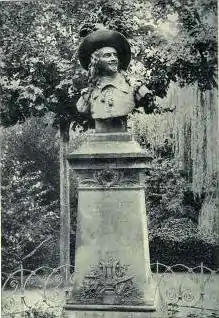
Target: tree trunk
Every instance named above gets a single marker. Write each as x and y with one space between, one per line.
64 200
217 232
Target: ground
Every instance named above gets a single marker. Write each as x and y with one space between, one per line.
185 292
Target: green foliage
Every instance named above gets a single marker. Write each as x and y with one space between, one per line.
27 217
39 71
166 189
39 41
30 206
190 251
193 58
173 215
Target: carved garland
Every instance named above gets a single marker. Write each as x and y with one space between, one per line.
108 178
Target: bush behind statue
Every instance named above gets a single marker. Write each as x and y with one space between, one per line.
173 215
190 252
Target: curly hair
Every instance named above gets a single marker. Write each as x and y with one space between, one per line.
94 72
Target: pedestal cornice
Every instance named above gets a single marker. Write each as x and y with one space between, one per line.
115 150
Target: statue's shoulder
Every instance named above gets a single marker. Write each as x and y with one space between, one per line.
129 81
122 83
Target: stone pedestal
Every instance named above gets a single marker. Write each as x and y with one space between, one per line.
112 263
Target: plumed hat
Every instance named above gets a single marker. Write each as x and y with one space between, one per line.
104 38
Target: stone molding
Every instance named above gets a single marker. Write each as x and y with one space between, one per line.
111 308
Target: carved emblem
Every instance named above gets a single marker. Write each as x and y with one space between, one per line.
110 283
108 178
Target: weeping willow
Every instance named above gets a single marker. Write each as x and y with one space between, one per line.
193 129
153 129
194 134
196 137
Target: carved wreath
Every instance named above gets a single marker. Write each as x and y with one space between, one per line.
107 177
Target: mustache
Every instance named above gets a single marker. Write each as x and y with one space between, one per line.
102 65
106 63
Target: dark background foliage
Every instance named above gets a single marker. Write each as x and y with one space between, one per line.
41 81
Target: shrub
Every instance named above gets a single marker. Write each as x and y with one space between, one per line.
190 252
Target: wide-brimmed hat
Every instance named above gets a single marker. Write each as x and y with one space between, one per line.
105 38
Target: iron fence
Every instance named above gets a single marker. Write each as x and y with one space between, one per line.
189 292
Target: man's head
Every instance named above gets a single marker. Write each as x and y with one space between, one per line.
106 61
104 38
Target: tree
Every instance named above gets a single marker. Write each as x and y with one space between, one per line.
40 67
192 56
29 192
40 70
27 216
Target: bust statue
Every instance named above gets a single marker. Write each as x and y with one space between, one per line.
110 96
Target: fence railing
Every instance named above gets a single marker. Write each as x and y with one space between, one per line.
189 292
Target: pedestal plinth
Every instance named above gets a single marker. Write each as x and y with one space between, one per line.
112 263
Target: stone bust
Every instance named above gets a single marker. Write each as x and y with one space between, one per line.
110 96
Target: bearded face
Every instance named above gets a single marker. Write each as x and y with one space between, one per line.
107 61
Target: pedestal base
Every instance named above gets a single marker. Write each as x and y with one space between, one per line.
158 310
111 314
108 314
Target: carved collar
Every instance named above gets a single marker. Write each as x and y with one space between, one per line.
118 82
